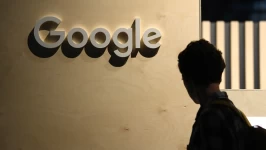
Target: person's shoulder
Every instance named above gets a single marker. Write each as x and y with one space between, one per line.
219 116
218 112
218 128
212 117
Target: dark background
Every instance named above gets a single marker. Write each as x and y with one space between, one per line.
233 10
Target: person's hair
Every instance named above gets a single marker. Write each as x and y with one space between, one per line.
201 62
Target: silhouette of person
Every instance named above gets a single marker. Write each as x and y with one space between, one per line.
216 127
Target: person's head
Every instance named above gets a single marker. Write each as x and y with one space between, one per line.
201 65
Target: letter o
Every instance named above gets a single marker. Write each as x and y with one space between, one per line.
70 36
107 38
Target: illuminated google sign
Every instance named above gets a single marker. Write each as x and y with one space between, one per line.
149 35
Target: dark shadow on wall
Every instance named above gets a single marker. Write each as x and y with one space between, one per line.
149 52
114 59
94 52
143 50
70 51
90 50
134 50
36 48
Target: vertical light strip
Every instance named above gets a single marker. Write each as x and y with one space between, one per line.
221 46
249 35
235 76
206 30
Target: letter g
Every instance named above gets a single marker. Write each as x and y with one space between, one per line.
51 33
